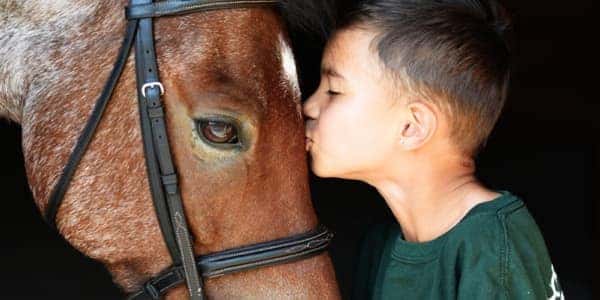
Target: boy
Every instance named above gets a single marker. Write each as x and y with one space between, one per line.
410 90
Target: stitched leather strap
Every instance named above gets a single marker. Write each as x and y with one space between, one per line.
153 170
270 253
170 8
161 164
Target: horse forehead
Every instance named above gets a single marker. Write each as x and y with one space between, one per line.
223 45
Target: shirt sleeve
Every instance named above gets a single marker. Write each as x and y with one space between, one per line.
529 270
515 265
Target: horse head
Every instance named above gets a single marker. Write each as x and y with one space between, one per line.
233 120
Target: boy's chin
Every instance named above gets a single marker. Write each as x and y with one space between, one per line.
321 174
325 167
318 169
323 171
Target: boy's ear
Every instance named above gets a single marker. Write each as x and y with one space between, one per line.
419 126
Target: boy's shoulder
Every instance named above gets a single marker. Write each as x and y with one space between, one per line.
505 219
487 221
502 226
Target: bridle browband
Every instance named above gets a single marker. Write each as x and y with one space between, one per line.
161 170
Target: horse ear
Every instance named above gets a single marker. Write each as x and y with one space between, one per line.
314 19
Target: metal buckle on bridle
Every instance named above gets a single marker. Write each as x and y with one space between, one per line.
151 85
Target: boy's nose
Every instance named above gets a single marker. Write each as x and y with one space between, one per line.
310 109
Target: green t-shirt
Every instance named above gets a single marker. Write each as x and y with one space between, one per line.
495 252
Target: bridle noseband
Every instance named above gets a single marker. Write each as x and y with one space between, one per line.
161 170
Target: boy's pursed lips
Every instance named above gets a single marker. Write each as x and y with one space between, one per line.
308 142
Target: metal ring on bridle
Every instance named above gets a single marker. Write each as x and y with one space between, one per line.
151 85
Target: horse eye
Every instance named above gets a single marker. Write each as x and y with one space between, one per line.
218 132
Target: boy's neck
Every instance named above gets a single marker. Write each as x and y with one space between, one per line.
434 199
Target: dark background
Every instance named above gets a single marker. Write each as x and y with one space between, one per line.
545 149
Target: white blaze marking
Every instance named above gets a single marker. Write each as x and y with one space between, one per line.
289 69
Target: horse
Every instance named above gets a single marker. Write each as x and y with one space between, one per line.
233 118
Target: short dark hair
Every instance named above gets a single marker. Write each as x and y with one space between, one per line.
452 52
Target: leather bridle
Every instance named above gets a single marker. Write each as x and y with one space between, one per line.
161 170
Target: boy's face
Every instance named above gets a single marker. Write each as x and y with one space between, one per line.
353 119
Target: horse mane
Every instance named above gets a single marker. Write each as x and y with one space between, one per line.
309 24
313 19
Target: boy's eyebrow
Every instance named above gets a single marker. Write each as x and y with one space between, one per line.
330 71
